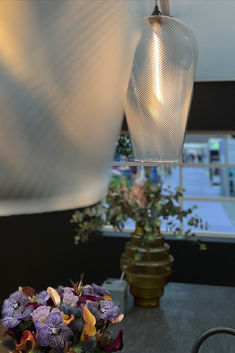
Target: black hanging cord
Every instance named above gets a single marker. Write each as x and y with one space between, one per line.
213 331
156 10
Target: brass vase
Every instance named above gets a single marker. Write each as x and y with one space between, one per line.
148 275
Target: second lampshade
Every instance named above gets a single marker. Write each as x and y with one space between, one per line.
160 89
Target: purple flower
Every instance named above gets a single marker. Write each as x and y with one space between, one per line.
42 297
68 290
54 333
103 310
70 299
41 313
15 309
95 290
87 290
98 290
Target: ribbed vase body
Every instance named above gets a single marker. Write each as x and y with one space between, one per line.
148 276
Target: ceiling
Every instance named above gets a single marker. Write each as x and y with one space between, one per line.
212 22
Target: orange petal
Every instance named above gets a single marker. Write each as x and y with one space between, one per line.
28 291
26 342
65 317
89 327
54 296
68 319
107 297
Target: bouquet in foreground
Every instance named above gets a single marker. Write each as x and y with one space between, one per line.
74 319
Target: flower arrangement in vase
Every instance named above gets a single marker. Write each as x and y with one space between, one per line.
74 319
146 261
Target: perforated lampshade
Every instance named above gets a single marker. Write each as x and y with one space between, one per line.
64 68
160 89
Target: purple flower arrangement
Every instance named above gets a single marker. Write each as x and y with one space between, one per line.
74 319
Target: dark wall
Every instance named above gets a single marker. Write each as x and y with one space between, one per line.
212 108
38 250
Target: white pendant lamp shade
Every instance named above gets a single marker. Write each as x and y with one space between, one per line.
160 89
64 68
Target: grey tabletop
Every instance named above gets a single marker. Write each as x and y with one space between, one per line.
185 311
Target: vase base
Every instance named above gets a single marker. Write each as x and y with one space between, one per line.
146 303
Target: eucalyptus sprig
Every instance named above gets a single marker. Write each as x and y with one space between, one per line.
148 204
88 221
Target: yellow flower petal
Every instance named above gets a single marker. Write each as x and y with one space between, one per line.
89 327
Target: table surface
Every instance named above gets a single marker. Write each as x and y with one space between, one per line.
185 311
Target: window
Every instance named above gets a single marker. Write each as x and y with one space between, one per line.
207 173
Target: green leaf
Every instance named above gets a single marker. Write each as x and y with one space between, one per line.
34 299
157 222
147 228
203 247
138 257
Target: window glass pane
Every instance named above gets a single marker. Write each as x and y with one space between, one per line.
220 216
203 182
209 182
209 149
169 176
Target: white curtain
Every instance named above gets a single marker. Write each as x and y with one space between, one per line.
64 70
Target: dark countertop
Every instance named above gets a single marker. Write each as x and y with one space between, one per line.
185 311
